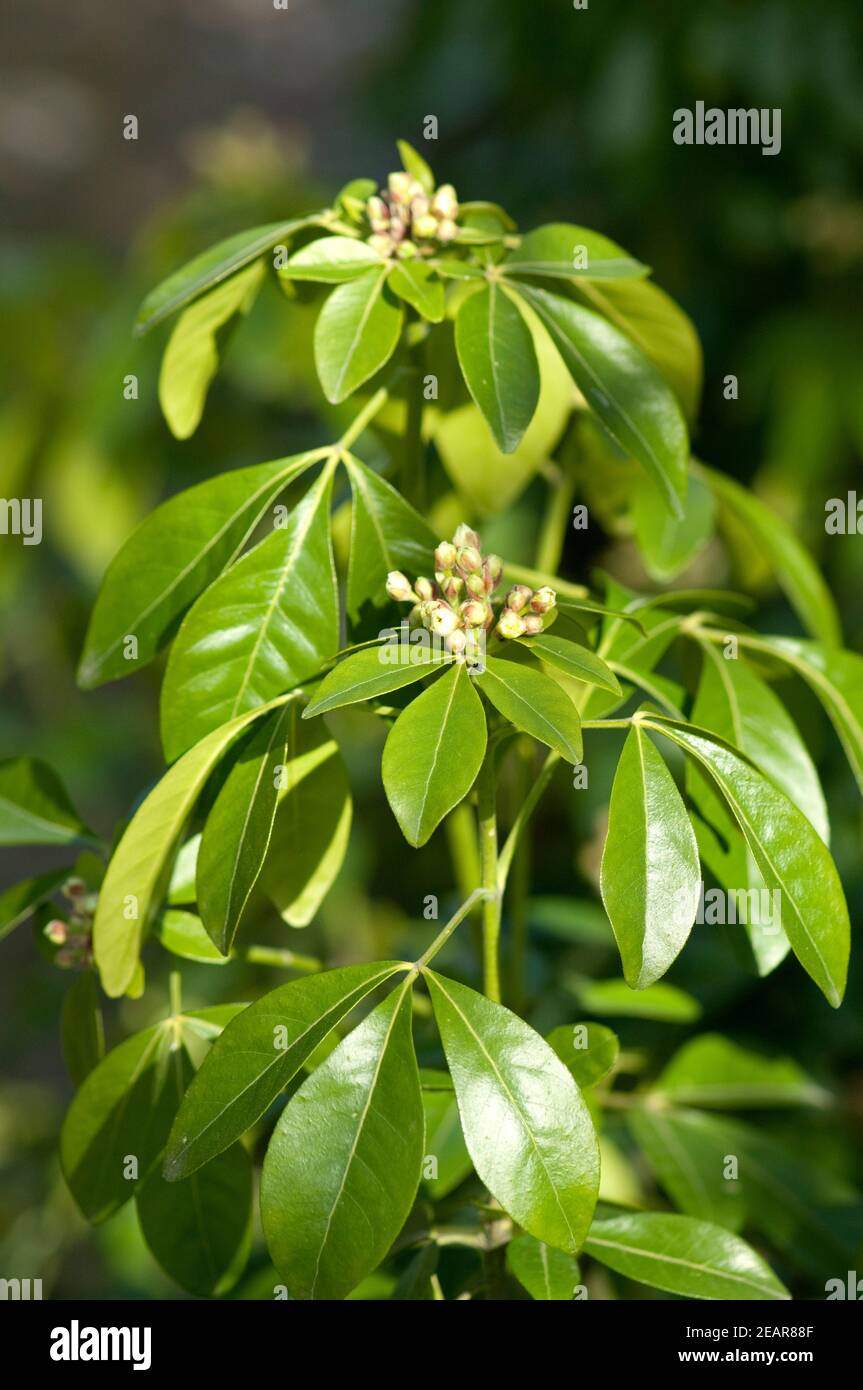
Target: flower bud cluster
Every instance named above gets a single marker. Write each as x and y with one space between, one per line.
459 606
74 936
406 221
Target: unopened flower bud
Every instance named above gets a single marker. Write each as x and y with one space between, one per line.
415 616
441 618
398 587
494 565
476 584
400 186
452 587
381 243
424 588
510 624
419 205
406 250
378 213
464 535
89 903
56 932
543 600
445 556
447 230
474 613
519 597
425 226
456 642
74 888
445 202
532 623
469 559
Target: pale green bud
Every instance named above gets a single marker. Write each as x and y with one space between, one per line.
419 206
56 932
510 624
469 559
445 556
456 642
474 613
447 230
424 588
406 250
378 214
465 536
398 587
441 618
425 226
400 186
519 597
445 202
381 243
543 600
494 568
452 586
476 584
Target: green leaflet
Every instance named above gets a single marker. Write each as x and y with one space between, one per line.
173 555
623 389
312 825
121 1114
548 1275
374 671
714 1071
790 855
576 661
343 1165
415 165
535 703
82 1033
668 543
35 808
356 333
191 358
687 1166
212 266
200 1230
444 1143
331 259
184 935
795 569
496 354
589 1051
560 250
836 678
268 623
140 867
257 1055
386 534
658 326
525 1124
650 878
417 284
433 753
661 1001
682 1256
238 829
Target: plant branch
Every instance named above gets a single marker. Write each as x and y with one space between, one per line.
361 419
444 935
486 787
281 959
526 811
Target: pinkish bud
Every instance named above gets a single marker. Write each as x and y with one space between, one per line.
519 597
532 623
400 186
474 613
398 587
447 230
543 600
465 536
452 587
441 618
378 214
445 202
456 642
56 932
476 585
469 559
445 556
510 624
425 227
74 888
494 566
381 243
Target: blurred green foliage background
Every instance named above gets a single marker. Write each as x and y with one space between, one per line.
248 114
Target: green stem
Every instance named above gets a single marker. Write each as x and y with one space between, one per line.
526 811
281 959
486 787
520 883
362 418
444 935
175 993
554 525
413 481
520 574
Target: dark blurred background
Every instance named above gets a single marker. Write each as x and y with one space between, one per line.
247 114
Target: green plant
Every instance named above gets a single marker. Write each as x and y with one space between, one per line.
477 359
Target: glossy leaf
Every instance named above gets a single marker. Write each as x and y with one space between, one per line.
200 1230
356 333
682 1256
663 1002
622 387
795 569
331 259
386 534
589 1051
34 806
312 825
433 753
560 250
534 703
374 671
668 543
238 829
191 358
184 935
415 165
790 855
176 552
256 1056
573 660
81 1028
418 285
714 1071
268 623
650 877
444 1143
688 1167
118 1122
525 1124
496 353
344 1162
140 868
548 1275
